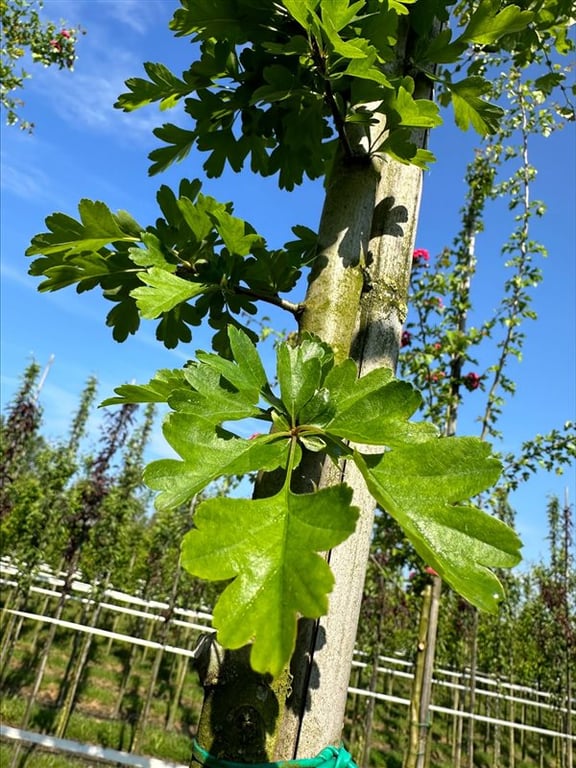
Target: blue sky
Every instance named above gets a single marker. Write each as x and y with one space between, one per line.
82 147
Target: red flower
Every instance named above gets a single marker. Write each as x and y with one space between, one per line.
471 381
437 345
65 33
56 45
419 255
406 339
430 571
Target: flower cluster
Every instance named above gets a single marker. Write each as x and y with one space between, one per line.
471 381
420 256
406 339
57 49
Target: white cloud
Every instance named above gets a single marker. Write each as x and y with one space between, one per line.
136 14
27 182
107 56
88 102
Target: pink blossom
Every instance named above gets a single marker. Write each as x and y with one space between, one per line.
430 571
65 33
56 45
437 345
420 255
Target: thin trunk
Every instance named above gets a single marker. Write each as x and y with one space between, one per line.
523 734
77 642
568 560
369 717
10 633
419 722
414 724
472 699
126 674
497 735
568 720
40 670
178 687
512 743
371 707
43 610
145 711
163 636
81 659
456 732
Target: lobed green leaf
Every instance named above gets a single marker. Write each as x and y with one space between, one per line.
269 548
419 486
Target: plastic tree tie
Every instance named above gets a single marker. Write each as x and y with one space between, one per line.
330 757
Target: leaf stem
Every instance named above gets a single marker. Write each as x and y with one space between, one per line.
289 306
331 101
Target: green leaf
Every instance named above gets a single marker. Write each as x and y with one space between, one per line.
341 13
469 108
419 486
210 400
163 86
236 233
163 292
269 548
245 371
151 255
158 389
98 227
208 453
375 408
415 113
300 10
440 50
179 140
399 145
488 24
299 371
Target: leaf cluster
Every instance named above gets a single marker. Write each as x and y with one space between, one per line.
269 547
196 261
282 84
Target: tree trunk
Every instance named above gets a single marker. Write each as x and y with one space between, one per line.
178 686
80 660
9 633
457 732
163 636
357 302
472 699
419 714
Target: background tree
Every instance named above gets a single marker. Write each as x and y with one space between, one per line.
25 32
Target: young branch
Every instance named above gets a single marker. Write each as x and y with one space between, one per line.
289 306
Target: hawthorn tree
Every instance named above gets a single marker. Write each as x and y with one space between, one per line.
24 32
326 89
